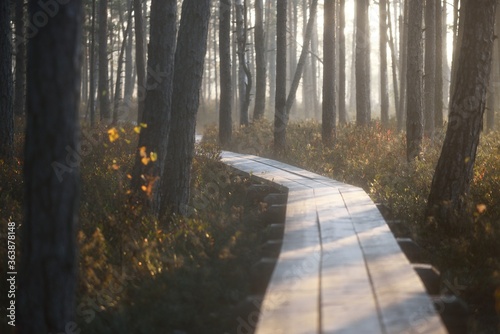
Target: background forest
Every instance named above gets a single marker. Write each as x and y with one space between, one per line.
103 104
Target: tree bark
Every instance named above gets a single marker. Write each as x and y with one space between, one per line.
384 88
226 89
280 114
140 59
447 204
47 279
104 96
245 77
129 66
440 50
430 68
157 103
260 62
329 107
402 110
414 119
20 82
342 65
189 59
394 59
363 108
6 85
92 83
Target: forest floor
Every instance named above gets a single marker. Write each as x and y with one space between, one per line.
374 158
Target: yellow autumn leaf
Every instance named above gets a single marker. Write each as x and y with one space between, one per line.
143 125
481 208
137 129
153 156
115 167
142 151
144 188
113 135
145 160
129 176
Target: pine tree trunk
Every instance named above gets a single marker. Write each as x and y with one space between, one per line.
329 108
447 204
363 108
157 102
414 118
244 75
128 89
189 59
47 278
394 59
430 67
280 115
342 65
260 60
402 110
440 50
6 85
226 89
271 51
140 59
384 88
104 96
20 82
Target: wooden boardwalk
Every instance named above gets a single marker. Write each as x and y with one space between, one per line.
340 269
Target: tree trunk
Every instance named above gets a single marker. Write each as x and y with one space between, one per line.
440 50
140 59
20 82
430 67
394 59
47 281
384 89
245 77
414 118
226 88
6 85
104 98
92 67
342 65
157 102
189 59
447 204
129 67
402 110
329 112
363 108
260 60
271 51
314 69
280 114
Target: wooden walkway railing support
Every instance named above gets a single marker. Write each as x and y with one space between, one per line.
340 269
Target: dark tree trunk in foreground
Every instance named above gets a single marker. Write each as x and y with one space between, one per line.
260 62
226 89
20 82
342 65
51 171
280 114
6 89
384 88
430 68
104 96
189 59
158 100
92 83
329 111
363 108
447 202
140 61
414 118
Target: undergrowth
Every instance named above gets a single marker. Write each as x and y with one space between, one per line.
140 275
374 158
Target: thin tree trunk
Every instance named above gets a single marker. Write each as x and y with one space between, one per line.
245 77
384 88
430 68
140 59
6 85
189 59
20 82
128 90
402 110
342 65
448 198
226 88
314 69
328 116
394 59
363 108
271 51
414 120
260 60
280 116
47 278
92 85
104 98
438 113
